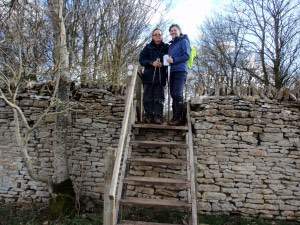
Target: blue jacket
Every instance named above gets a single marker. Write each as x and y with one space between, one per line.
180 51
148 55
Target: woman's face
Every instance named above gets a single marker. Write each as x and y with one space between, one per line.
157 36
174 32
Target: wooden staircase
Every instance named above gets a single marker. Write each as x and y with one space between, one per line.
140 146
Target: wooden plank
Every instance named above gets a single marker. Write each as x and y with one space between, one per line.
155 180
160 143
159 126
108 212
123 135
191 170
127 222
158 161
145 202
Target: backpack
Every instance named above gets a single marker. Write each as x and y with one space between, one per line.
193 55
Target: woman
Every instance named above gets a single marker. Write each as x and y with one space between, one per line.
179 53
154 77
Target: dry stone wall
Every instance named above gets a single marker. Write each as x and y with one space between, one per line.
93 129
248 154
15 184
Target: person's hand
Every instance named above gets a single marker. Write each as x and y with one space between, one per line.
156 64
170 60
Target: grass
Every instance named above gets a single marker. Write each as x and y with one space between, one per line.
12 215
238 220
37 215
156 215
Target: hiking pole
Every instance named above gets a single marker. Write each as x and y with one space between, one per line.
169 92
166 63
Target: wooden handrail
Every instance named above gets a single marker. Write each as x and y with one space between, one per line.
123 135
192 167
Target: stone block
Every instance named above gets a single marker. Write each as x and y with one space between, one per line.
214 196
271 137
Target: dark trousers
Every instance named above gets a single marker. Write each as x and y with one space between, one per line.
153 100
177 82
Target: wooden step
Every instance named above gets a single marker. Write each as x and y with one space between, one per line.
158 161
155 180
145 202
127 222
159 143
159 126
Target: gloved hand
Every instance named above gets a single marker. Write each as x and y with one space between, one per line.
156 63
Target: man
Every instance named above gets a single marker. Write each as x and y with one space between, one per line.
154 77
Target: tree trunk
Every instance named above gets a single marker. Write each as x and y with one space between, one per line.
85 55
22 145
60 163
96 57
277 60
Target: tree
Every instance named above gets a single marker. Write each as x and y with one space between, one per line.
124 34
273 33
19 64
256 43
60 41
61 173
103 37
24 57
222 50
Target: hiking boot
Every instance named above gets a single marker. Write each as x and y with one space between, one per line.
176 122
158 120
147 120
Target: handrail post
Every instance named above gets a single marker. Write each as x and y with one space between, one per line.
108 203
192 167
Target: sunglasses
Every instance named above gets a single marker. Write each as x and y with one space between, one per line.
156 35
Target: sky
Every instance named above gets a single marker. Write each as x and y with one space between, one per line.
190 14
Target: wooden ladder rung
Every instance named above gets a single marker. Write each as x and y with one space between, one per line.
159 126
158 161
145 202
155 180
159 143
127 222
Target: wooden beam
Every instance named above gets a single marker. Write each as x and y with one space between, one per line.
123 135
155 180
160 143
157 161
192 168
147 202
159 126
108 203
127 222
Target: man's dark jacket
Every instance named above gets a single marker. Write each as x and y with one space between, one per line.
148 55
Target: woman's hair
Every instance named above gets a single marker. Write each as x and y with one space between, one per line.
177 26
156 30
